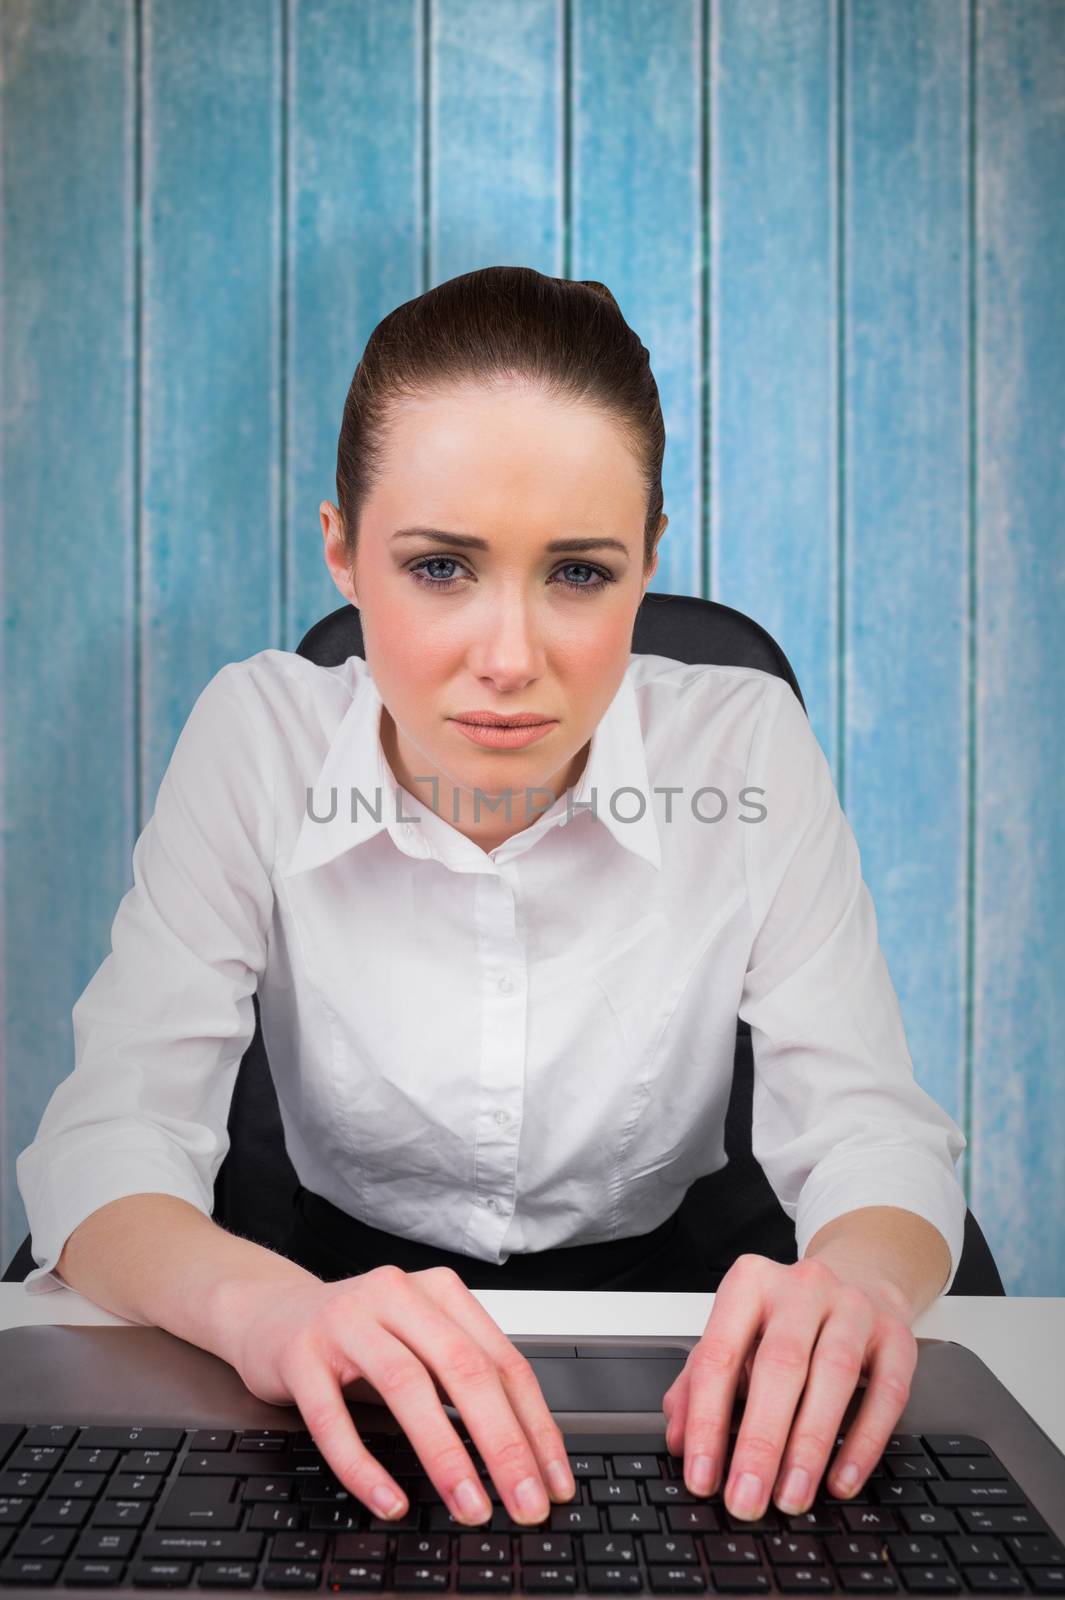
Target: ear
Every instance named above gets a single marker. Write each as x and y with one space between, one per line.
336 555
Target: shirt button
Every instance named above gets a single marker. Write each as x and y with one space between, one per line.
495 1205
502 1117
505 985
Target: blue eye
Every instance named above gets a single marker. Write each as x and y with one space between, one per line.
418 572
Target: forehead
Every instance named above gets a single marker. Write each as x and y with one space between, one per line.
503 458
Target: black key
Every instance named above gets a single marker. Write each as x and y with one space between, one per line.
29 1569
200 1544
84 1485
348 1546
805 1580
490 1549
1047 1580
915 1552
94 1571
549 1580
955 1444
739 1580
108 1542
411 1576
609 1550
670 1549
44 1542
227 1575
355 1575
673 1580
60 1513
613 1580
859 1580
636 1466
494 1580
545 1549
987 1580
931 1580
291 1575
211 1439
162 1574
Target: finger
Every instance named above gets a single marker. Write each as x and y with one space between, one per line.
836 1365
893 1362
515 1372
714 1368
778 1376
675 1403
317 1392
472 1380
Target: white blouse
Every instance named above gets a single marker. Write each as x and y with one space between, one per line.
507 1050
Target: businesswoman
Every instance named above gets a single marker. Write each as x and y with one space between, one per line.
503 889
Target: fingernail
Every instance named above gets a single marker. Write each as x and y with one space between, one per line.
794 1492
847 1477
532 1502
561 1480
470 1500
386 1502
747 1495
699 1477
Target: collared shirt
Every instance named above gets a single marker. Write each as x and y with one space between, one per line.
503 1050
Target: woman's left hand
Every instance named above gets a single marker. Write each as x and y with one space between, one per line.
818 1334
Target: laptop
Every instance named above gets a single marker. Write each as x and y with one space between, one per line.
132 1459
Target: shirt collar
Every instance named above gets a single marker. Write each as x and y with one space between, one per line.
355 794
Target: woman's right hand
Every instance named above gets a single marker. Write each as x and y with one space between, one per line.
403 1340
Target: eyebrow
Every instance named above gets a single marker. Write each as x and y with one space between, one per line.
468 542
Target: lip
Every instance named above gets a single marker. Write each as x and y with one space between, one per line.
495 737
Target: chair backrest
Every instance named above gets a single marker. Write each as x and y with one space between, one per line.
747 1215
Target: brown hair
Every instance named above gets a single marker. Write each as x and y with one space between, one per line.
490 326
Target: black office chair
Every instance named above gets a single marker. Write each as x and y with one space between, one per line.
747 1217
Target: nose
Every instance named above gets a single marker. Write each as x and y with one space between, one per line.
506 646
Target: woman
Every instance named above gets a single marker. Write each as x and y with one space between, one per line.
499 973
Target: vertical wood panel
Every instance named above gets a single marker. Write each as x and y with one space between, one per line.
212 397
66 477
636 181
905 317
1019 999
355 241
773 456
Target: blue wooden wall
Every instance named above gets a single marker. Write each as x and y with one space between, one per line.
839 227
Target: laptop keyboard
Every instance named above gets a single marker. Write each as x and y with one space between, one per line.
117 1507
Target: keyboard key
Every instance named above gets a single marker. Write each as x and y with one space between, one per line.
805 1580
227 1575
291 1575
29 1569
674 1580
162 1574
92 1571
549 1580
355 1575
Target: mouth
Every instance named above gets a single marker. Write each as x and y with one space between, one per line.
491 719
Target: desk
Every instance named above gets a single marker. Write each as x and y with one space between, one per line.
1020 1339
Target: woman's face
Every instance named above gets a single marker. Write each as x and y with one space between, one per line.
509 625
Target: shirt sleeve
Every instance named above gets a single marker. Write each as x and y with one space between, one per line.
161 1028
839 1120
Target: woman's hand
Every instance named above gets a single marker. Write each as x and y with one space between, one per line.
817 1333
413 1342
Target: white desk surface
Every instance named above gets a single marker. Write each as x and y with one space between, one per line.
1020 1339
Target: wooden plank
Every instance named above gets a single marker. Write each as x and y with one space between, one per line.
905 322
634 221
773 332
67 445
355 244
1018 998
210 583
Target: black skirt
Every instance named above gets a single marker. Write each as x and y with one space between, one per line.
333 1245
